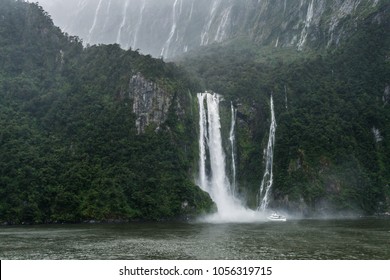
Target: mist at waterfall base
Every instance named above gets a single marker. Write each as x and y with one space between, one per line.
213 177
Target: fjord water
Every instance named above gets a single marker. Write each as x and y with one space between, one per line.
295 239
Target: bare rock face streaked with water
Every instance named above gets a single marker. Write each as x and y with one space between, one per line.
150 102
167 28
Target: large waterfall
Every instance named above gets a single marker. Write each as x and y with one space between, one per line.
267 181
212 176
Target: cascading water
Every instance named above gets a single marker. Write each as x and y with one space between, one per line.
165 49
232 139
137 28
305 30
204 36
222 28
94 21
285 97
203 140
267 181
107 15
124 19
211 153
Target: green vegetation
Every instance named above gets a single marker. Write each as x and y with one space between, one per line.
327 103
70 151
68 143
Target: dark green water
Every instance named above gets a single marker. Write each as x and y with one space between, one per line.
301 239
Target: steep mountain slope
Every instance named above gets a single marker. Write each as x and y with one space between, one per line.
75 140
332 148
100 133
171 27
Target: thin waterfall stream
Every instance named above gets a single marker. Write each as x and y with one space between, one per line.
266 184
232 139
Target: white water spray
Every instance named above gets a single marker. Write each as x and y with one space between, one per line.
267 181
216 183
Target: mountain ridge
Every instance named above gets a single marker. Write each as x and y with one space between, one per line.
171 27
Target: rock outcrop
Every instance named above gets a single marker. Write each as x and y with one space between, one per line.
150 102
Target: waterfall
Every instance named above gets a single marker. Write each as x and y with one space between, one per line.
94 22
221 31
202 143
212 156
305 30
266 184
205 34
82 4
107 15
124 18
217 184
218 181
137 28
165 49
191 11
285 97
232 140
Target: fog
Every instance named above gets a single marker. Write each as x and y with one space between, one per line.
160 28
167 28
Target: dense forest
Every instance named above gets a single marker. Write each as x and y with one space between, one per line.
68 143
70 150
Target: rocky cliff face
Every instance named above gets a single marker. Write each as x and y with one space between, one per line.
150 102
171 27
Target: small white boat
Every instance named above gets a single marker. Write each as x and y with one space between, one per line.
277 218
